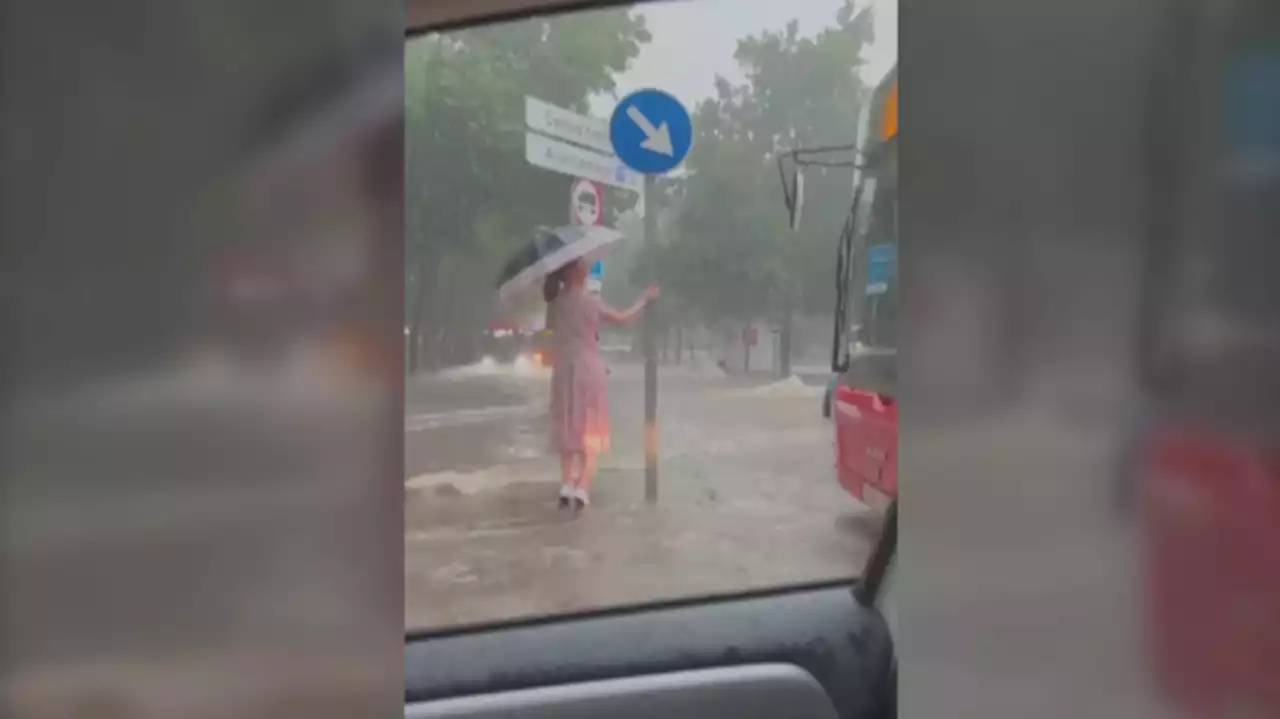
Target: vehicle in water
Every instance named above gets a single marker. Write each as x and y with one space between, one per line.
861 398
539 347
503 341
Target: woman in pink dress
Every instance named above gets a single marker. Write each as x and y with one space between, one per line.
579 401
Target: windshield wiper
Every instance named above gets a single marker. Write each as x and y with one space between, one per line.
844 273
810 157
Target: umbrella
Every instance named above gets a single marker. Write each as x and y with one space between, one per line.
550 250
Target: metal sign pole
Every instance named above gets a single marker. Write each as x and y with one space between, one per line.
648 341
651 133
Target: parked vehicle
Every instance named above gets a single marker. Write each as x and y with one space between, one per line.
538 349
865 412
502 341
861 397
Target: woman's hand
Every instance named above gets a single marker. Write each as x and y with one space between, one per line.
615 317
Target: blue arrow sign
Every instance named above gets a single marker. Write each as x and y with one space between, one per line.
651 132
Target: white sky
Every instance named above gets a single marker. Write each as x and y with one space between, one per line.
694 40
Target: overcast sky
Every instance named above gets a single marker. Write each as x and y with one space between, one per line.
694 40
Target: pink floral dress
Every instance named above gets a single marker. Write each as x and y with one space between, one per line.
579 403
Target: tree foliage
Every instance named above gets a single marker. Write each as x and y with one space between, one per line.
730 253
723 250
471 198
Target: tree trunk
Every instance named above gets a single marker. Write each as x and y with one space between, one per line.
425 279
679 343
441 348
784 353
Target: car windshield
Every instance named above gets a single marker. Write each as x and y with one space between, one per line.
617 348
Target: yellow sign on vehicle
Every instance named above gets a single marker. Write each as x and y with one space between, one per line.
889 117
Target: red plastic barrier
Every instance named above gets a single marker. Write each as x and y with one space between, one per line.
866 444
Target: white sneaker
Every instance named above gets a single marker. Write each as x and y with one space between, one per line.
582 497
566 495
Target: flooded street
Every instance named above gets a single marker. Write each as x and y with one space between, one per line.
473 418
747 496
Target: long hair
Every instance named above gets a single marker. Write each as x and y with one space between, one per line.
554 283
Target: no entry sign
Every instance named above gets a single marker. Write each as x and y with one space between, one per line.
586 203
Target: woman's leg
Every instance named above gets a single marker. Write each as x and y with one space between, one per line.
582 495
588 470
569 468
568 476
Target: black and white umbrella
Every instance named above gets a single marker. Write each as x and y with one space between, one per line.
548 251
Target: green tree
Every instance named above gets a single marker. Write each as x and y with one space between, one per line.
732 255
471 198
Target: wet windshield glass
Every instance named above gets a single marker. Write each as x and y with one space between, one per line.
617 348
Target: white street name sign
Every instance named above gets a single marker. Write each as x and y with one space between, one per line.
571 160
558 122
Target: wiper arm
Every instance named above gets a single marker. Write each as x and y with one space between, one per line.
844 267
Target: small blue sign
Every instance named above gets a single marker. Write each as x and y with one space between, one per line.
597 271
651 132
1253 115
879 268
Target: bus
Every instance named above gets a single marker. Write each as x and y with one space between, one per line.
861 398
864 352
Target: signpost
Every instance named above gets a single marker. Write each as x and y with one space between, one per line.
651 133
879 268
586 208
595 280
562 124
569 159
586 203
649 344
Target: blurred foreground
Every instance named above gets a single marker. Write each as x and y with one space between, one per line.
199 426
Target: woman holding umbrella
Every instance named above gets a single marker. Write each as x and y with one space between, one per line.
579 401
560 260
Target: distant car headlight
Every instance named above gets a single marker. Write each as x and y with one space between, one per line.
535 358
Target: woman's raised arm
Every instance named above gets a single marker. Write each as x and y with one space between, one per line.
614 317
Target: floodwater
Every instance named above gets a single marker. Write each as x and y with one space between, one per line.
747 495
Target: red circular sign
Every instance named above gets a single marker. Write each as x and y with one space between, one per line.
586 203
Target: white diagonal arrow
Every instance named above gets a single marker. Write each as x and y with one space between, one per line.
657 139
